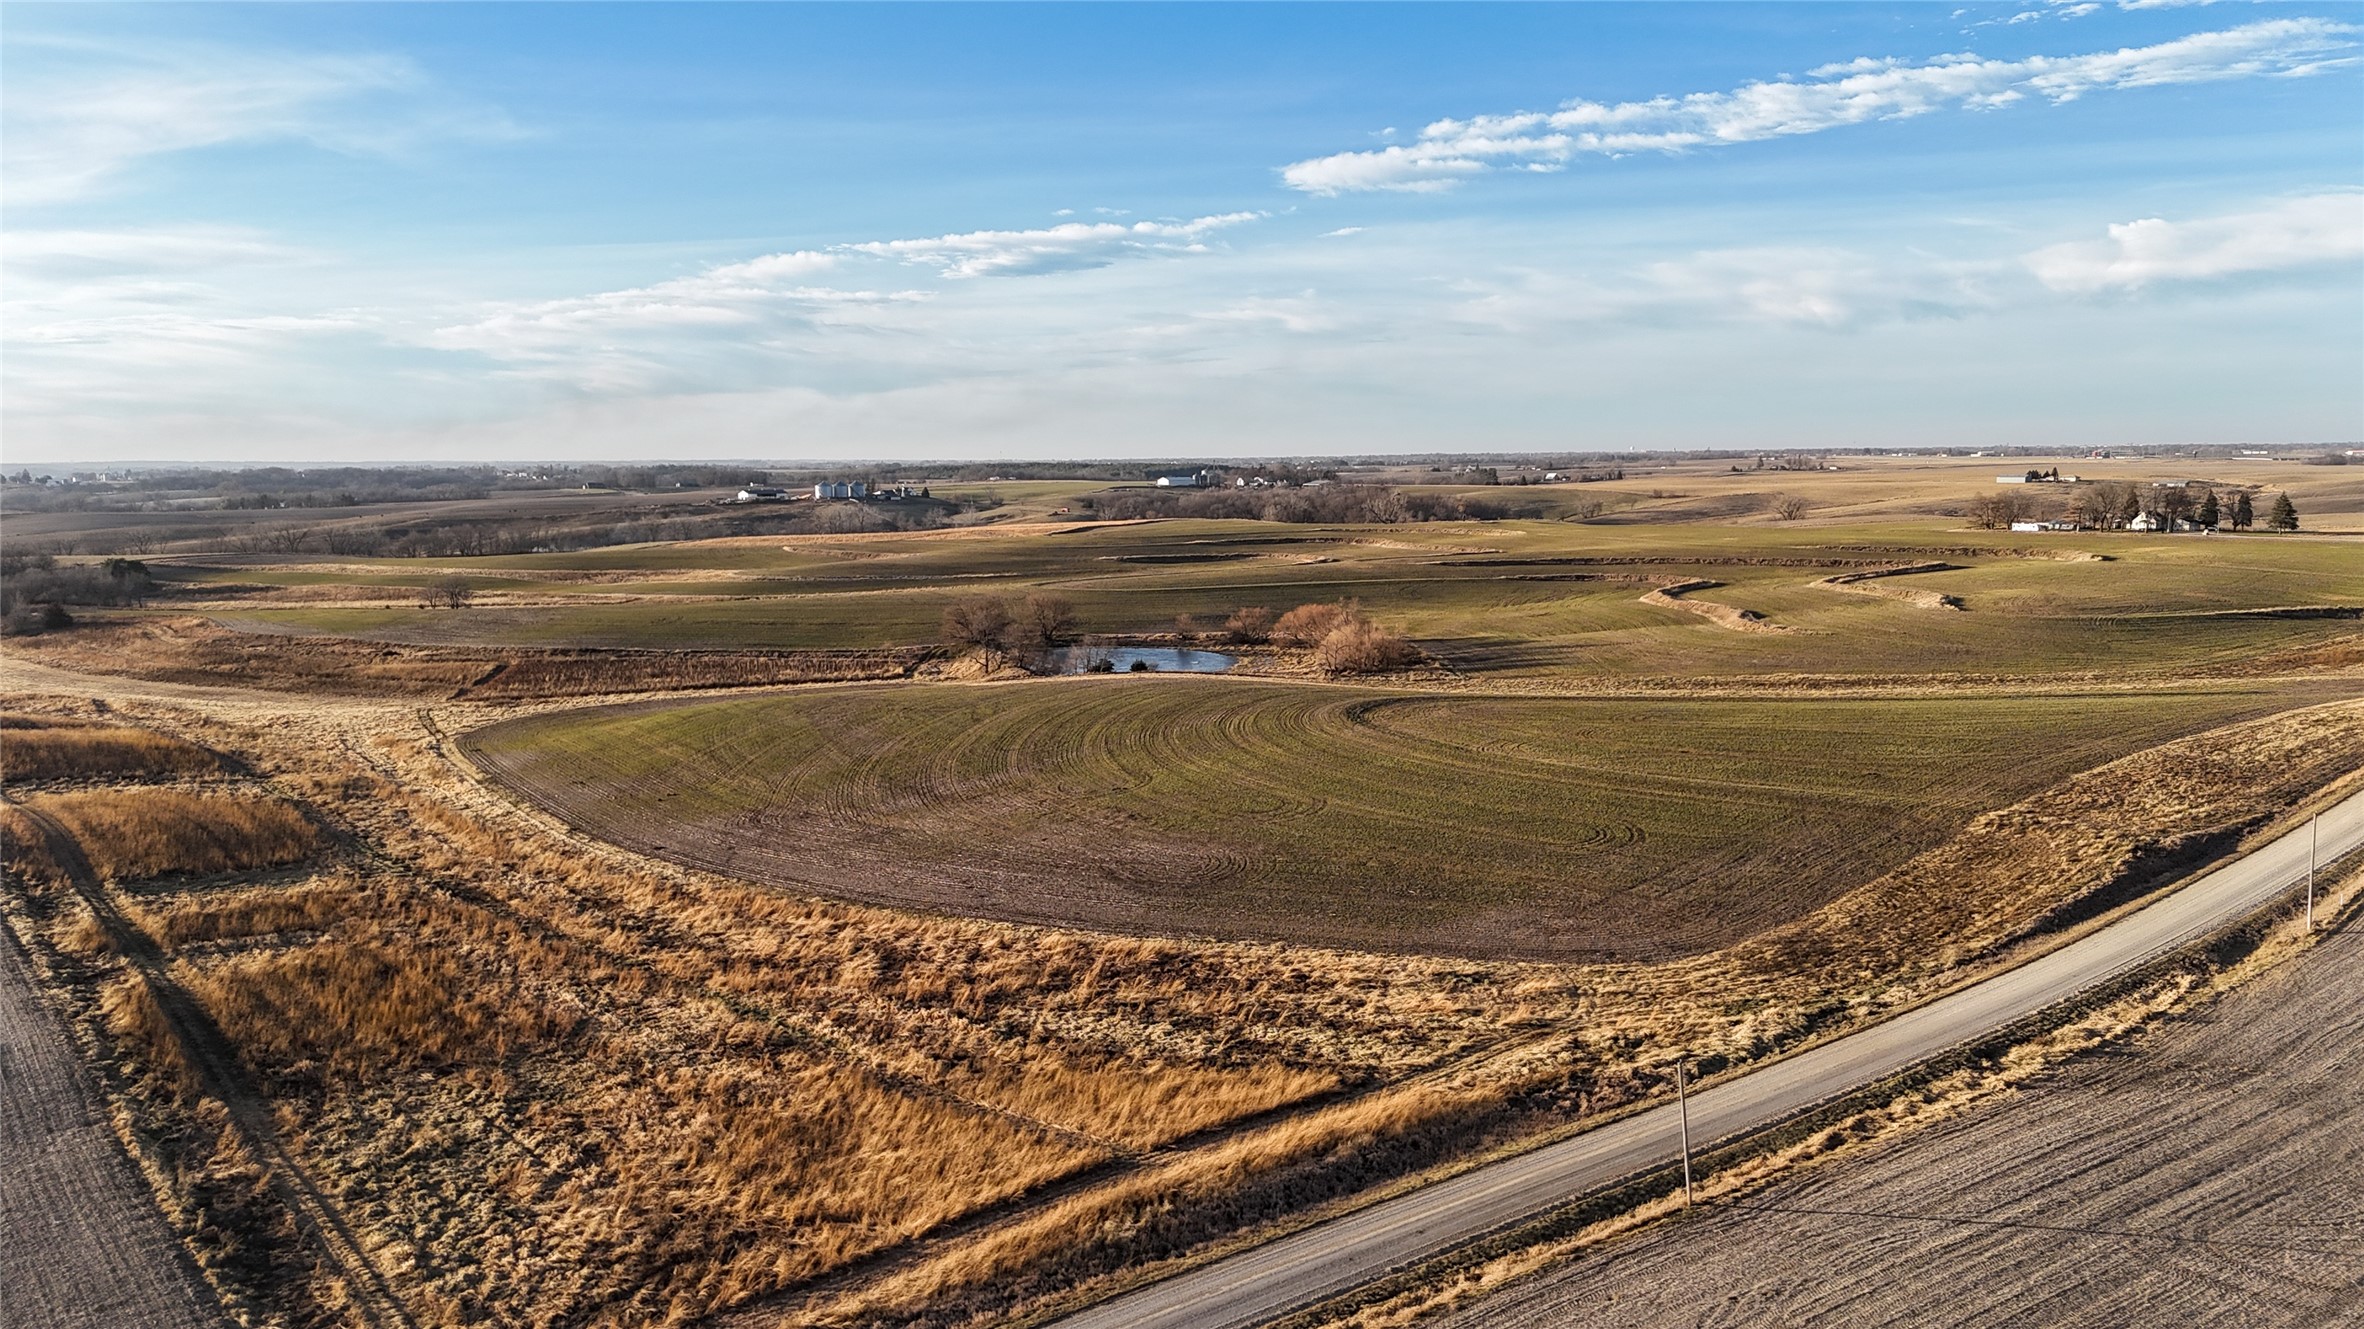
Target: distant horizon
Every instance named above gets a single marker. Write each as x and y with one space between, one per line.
1150 461
435 233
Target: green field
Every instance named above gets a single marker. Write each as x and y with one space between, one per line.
1541 827
1499 597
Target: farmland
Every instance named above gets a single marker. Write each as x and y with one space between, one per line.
685 930
1522 598
1542 827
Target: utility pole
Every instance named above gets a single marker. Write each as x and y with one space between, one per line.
2314 838
1683 1105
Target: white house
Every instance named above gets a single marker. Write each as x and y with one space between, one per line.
2148 521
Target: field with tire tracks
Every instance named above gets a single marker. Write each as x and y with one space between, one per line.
1533 827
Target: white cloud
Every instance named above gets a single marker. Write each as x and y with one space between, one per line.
1854 92
2295 233
80 114
1064 248
1809 288
1343 230
667 335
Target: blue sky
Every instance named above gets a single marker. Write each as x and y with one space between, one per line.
356 232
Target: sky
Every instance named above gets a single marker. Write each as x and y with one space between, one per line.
288 233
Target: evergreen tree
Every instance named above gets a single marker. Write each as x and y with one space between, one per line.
2208 514
2243 515
2282 516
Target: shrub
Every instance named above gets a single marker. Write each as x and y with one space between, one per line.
1308 625
1359 646
1249 627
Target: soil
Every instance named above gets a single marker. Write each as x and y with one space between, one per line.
81 1241
2210 1173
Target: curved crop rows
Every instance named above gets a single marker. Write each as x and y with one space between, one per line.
1545 827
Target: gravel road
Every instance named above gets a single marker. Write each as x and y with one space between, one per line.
2213 1173
81 1243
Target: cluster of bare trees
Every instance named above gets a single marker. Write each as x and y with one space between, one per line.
1035 624
35 590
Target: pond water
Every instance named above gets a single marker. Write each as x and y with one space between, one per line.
1123 660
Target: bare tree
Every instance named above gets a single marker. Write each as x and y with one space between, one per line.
976 620
1993 512
2173 502
1249 627
1790 507
451 592
1042 622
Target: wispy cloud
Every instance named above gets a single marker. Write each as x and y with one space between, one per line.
1068 247
1807 288
83 114
734 314
2296 233
1451 151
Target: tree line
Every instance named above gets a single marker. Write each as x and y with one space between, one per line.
2111 505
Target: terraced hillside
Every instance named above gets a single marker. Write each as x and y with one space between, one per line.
1523 826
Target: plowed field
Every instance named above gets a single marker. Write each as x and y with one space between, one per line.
1533 827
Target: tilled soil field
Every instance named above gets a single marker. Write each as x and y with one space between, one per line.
81 1243
2211 1173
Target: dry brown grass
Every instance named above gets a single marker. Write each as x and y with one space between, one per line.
237 914
195 650
39 748
1207 1195
131 834
25 849
360 1010
1141 1107
139 1026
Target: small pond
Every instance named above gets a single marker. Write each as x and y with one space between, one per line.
1140 659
